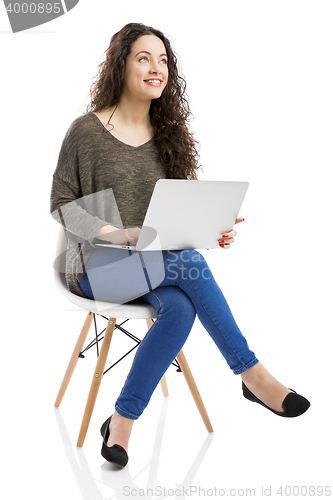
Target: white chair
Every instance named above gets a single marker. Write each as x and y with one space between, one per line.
133 310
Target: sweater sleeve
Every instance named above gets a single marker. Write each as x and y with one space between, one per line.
67 205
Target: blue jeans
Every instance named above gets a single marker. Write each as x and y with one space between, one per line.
179 285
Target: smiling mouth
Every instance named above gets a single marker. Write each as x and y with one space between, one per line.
154 81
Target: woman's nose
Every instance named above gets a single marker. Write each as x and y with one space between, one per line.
154 68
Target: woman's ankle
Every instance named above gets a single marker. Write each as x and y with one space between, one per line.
120 419
119 430
265 387
255 374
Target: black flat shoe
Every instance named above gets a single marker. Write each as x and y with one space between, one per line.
293 404
115 454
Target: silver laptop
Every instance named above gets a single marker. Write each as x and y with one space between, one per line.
188 214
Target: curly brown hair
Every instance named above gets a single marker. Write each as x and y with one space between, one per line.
170 113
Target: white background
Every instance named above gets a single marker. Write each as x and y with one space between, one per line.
260 82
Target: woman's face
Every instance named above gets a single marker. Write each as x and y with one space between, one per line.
146 71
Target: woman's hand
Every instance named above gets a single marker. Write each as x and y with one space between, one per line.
228 238
118 236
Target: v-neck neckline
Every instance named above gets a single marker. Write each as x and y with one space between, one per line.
129 146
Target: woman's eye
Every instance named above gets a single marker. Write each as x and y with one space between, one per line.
164 61
143 59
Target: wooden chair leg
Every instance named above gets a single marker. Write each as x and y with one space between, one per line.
96 381
164 384
194 390
75 356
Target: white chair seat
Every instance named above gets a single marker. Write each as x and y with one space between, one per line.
135 309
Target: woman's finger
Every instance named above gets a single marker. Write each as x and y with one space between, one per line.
225 242
239 220
227 238
229 235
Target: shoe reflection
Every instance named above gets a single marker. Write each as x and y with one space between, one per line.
117 483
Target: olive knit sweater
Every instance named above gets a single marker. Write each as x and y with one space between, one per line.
99 180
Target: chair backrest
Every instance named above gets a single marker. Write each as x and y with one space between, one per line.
59 263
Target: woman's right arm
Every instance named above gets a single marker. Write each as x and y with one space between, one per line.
78 214
67 206
118 236
68 209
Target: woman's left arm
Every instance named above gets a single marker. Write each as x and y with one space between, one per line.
228 238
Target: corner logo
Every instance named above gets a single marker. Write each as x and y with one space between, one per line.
23 15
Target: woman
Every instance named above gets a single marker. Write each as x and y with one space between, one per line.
135 132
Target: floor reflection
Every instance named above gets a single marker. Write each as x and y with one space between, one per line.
115 483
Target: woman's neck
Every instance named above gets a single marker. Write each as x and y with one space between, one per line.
131 114
130 121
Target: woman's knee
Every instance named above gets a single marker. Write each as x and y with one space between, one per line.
174 301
